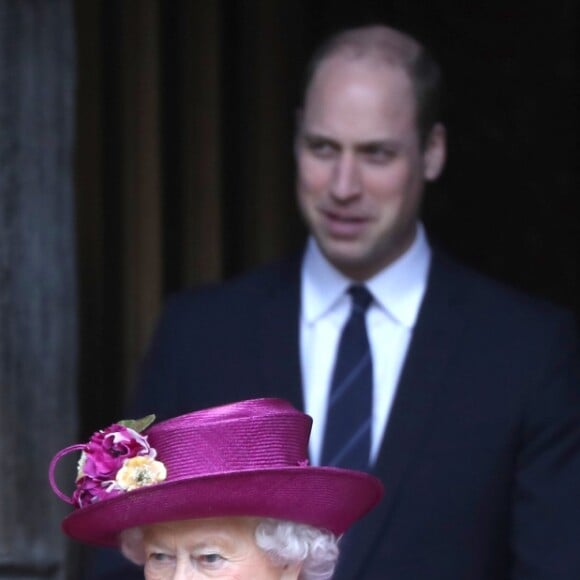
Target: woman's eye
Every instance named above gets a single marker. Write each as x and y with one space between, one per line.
212 560
158 562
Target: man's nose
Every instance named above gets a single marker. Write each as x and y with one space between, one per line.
346 181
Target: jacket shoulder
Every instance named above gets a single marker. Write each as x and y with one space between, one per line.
240 293
494 307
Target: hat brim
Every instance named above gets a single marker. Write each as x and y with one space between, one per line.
323 497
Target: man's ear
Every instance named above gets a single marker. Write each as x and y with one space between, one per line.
435 152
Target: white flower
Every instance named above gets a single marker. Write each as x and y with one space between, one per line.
81 462
140 472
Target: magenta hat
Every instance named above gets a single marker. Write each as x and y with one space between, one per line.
243 459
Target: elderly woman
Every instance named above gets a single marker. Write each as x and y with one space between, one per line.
226 492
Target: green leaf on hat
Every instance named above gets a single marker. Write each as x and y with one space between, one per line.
137 424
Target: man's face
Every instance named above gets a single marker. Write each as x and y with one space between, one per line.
361 167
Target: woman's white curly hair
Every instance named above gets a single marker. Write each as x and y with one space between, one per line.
290 543
284 542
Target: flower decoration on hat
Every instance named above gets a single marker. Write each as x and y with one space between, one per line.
116 460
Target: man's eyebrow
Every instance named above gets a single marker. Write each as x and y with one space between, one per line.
377 144
313 136
372 144
313 139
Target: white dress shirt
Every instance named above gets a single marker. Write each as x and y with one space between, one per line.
398 292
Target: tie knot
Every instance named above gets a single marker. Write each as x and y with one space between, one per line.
361 298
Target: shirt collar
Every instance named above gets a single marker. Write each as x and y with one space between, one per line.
398 289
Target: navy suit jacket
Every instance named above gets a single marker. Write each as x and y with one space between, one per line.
481 455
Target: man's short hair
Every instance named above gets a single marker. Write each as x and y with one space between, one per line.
396 48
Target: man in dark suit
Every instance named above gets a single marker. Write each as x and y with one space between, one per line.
475 421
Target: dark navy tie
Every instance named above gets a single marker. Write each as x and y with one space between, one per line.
347 438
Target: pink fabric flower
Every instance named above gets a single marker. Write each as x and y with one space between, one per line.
104 455
108 448
90 490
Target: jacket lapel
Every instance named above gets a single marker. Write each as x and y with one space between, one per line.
436 335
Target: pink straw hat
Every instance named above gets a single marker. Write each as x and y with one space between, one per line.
243 459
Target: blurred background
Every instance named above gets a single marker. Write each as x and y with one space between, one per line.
146 146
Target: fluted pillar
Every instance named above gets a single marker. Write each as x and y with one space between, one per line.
37 279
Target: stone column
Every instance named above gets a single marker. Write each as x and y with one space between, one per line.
37 279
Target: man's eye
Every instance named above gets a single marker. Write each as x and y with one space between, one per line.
320 148
379 154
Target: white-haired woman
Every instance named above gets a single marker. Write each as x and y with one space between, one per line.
225 492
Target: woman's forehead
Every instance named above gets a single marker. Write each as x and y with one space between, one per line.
235 526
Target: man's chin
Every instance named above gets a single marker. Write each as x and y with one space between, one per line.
352 261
